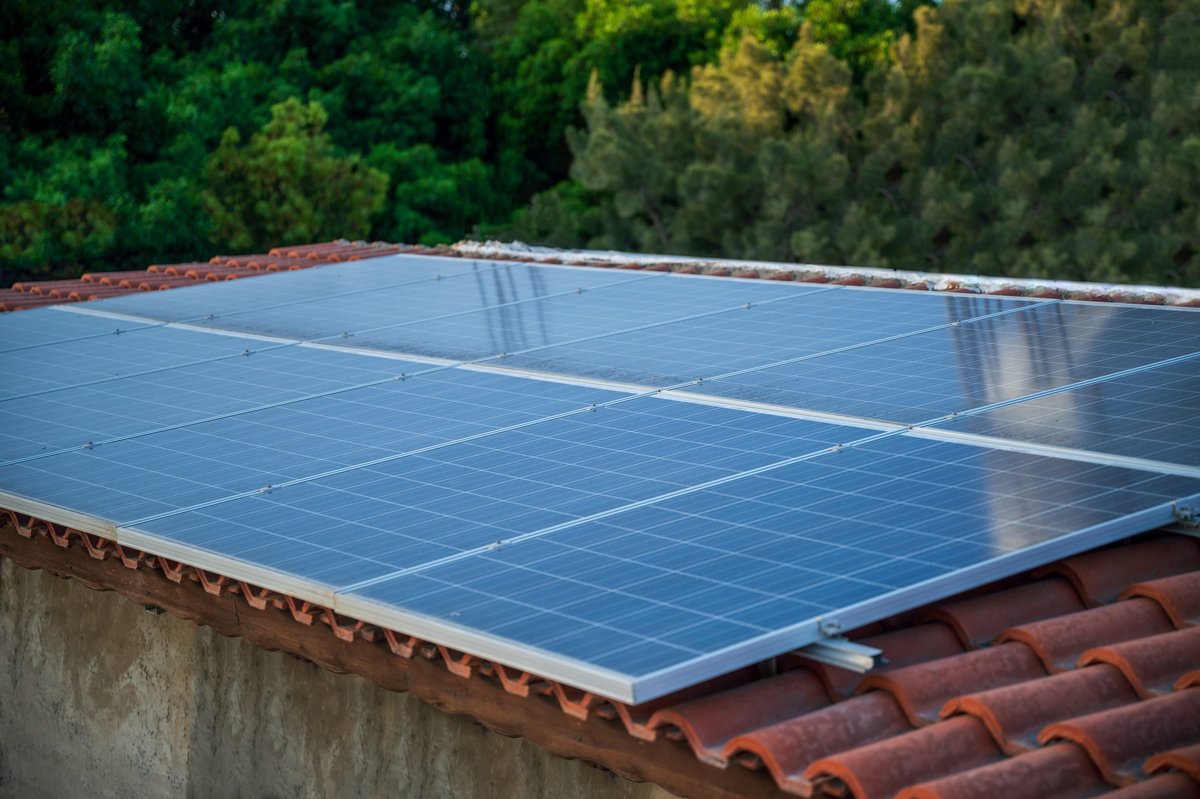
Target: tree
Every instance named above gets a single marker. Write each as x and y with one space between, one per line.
289 184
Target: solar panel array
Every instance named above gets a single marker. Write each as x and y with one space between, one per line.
625 481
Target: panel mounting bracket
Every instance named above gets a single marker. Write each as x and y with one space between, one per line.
1187 519
836 650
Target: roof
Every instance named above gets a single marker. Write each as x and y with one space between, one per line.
1076 680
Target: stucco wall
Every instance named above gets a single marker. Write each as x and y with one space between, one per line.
100 698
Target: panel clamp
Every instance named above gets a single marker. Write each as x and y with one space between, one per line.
835 650
1187 519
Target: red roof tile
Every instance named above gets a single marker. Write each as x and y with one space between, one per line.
1055 772
1179 596
923 690
710 722
1121 740
1015 714
1099 580
881 770
1185 759
1060 641
978 620
1152 665
1168 786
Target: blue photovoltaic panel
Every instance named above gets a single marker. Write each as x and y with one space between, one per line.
601 311
421 507
53 367
922 377
53 325
629 545
304 289
759 335
669 584
176 468
73 417
1153 415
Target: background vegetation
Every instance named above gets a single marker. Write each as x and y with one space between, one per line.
1050 138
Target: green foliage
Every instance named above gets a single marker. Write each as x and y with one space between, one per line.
288 183
1022 137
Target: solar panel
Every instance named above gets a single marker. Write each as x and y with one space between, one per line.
759 335
1152 414
918 378
659 595
600 515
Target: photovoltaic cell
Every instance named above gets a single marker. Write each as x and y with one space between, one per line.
51 325
759 335
53 367
922 377
414 509
74 417
176 468
1153 415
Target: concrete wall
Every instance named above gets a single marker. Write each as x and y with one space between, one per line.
99 698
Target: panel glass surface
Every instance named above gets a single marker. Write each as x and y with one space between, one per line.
55 325
759 335
643 303
300 288
53 367
416 509
1153 415
662 585
73 417
158 472
928 375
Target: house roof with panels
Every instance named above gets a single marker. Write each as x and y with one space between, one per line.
1079 678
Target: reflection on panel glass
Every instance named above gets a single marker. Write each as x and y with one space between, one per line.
657 586
304 289
1153 414
922 377
759 335
648 300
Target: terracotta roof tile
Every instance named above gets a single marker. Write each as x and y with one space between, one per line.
1185 759
883 769
1179 596
1121 740
790 747
1167 786
1101 575
1062 771
978 620
710 722
923 690
1015 714
1152 664
12 300
1060 641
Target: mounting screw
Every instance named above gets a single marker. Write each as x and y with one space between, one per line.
831 628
